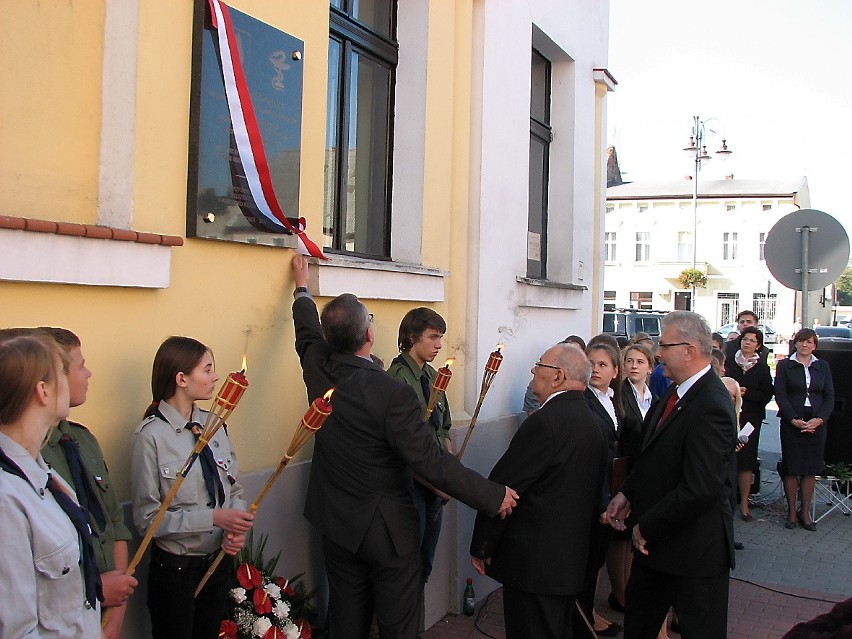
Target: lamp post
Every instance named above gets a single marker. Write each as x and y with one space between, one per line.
698 149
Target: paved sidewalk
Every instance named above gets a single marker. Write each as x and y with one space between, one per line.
782 576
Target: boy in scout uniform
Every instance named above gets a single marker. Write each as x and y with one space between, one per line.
73 452
420 333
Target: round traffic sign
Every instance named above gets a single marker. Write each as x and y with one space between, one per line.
828 249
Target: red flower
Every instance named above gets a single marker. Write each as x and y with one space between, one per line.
274 633
249 576
262 602
304 628
286 589
228 630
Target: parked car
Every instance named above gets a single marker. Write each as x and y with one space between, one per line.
769 334
833 331
623 324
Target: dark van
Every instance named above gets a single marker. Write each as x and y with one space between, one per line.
624 324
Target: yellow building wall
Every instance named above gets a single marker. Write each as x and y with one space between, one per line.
235 298
50 103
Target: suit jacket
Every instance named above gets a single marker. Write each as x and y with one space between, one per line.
758 383
363 453
607 428
632 431
555 461
790 390
682 482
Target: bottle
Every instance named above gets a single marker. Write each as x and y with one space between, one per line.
469 598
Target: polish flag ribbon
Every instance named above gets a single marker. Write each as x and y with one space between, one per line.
247 131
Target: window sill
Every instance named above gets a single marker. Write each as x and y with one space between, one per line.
377 279
34 250
547 294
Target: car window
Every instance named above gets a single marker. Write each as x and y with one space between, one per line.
650 325
613 323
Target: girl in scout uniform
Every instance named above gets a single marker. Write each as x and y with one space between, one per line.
208 512
47 560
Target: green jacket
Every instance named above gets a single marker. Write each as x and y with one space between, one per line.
93 460
406 369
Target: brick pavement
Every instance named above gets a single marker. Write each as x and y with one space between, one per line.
782 576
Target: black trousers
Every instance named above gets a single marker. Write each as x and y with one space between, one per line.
599 540
372 578
175 612
529 615
701 604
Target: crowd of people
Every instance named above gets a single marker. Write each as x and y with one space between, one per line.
610 469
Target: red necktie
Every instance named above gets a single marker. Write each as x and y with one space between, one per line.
670 404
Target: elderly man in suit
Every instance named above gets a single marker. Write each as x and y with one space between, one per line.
359 494
679 494
556 460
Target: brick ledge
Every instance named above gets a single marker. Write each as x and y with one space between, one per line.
87 230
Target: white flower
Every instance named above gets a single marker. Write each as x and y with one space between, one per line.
292 631
282 610
261 626
238 595
273 591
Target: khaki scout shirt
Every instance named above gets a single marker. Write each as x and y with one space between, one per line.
98 476
40 564
410 374
159 451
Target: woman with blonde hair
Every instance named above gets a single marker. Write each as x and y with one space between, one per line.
47 558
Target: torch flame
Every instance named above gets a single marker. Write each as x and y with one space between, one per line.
499 347
450 362
244 364
328 394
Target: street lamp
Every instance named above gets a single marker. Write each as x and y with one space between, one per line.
698 149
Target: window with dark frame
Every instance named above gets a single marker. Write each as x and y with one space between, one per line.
362 59
541 135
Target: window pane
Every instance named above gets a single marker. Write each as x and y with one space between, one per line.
376 14
332 143
540 88
536 235
366 206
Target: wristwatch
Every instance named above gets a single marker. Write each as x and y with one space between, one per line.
300 289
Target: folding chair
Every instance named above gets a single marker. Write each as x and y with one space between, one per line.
827 488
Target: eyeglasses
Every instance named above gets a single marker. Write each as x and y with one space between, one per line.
557 368
370 317
664 345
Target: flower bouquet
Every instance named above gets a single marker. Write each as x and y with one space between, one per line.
263 606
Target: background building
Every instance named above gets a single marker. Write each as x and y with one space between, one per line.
473 181
649 232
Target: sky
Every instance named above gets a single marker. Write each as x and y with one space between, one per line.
775 76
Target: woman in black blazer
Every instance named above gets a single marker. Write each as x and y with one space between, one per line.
637 363
604 398
752 374
804 391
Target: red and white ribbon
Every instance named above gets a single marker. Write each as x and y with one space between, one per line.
247 131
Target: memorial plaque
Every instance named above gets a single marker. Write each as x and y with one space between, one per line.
220 205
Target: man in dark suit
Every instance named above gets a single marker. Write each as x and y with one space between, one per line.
679 494
556 460
359 495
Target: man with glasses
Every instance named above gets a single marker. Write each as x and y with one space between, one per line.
678 496
556 460
359 494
